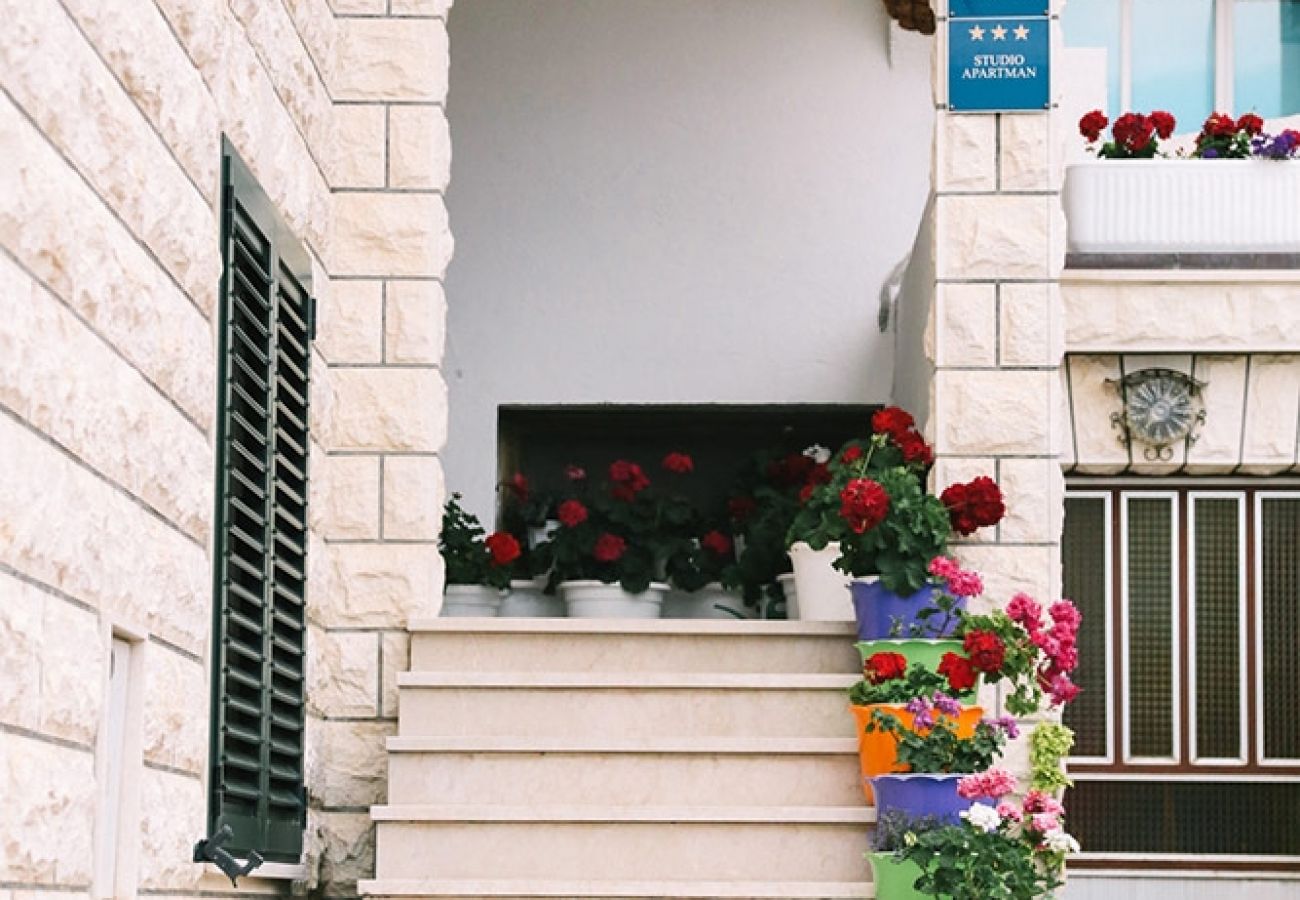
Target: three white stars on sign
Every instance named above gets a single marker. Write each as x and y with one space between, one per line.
999 33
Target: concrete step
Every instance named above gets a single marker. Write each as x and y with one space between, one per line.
533 889
659 645
626 705
623 843
642 772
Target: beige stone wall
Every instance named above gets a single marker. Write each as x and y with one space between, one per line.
111 118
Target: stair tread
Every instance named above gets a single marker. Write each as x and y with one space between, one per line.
628 680
774 815
689 890
604 745
703 627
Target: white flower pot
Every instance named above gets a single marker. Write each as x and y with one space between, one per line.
597 600
791 593
527 600
471 600
712 601
1183 206
822 589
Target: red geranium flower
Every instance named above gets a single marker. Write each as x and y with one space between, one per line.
716 543
914 447
1219 125
1134 131
1251 124
741 508
986 651
1163 123
959 672
518 485
678 463
571 513
629 480
791 469
975 505
1093 124
820 474
851 454
863 504
609 548
503 547
882 667
892 420
806 492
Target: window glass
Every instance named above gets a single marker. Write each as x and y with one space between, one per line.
1173 59
1217 603
1150 632
1280 626
1083 552
1266 57
1095 24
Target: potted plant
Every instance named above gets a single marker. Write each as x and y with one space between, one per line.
702 572
478 568
998 850
762 505
934 754
1227 197
895 878
526 514
605 555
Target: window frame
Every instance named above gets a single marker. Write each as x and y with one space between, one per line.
1118 765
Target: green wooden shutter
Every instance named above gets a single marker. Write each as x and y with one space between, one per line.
260 625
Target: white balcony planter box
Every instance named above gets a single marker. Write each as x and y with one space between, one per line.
1183 206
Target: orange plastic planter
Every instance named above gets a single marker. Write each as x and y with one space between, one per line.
878 751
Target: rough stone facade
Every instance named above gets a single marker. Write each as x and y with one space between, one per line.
111 119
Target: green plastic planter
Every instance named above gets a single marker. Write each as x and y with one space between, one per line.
919 651
894 878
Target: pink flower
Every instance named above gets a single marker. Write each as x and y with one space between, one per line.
1024 610
961 582
1010 811
1041 802
994 782
1065 617
1063 690
1044 822
943 567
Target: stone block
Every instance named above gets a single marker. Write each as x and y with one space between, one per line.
359 7
347 501
437 8
402 235
1027 153
1008 570
359 155
1034 491
389 409
73 671
1272 408
46 833
966 325
354 763
21 643
345 846
344 673
134 41
1218 445
379 585
994 237
414 493
77 103
967 154
1095 440
350 324
53 224
175 728
63 380
415 316
1032 331
396 657
67 528
174 810
995 412
391 59
419 141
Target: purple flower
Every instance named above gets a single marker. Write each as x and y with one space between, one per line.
947 705
1009 725
916 706
923 721
1210 153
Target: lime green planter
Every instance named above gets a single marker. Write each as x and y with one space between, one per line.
894 879
918 651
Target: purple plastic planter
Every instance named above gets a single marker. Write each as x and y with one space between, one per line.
878 609
919 795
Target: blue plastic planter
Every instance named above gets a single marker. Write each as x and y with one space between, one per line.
878 610
919 795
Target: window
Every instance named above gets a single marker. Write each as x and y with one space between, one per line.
1192 57
1187 738
259 631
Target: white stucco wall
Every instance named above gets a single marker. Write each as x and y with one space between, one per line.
675 201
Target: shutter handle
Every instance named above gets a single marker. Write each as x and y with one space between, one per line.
209 850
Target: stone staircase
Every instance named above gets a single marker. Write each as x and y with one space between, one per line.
566 758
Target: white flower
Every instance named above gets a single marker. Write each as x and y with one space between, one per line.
818 454
1058 841
982 816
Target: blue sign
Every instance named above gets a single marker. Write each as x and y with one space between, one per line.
999 63
966 9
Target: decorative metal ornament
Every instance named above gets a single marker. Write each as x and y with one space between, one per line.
1160 407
